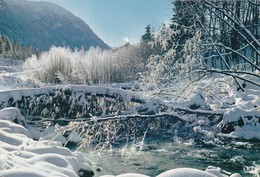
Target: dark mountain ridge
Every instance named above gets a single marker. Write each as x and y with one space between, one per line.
41 25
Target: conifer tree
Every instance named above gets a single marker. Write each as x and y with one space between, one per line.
147 37
145 48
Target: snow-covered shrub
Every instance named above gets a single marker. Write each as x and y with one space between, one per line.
51 66
95 66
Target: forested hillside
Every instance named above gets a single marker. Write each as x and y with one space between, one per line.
41 25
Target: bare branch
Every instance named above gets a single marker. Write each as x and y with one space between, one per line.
237 53
233 75
237 72
237 23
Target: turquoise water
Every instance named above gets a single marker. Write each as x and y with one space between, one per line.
233 156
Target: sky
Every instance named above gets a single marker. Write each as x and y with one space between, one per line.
116 21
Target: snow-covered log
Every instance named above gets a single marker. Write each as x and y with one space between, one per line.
70 101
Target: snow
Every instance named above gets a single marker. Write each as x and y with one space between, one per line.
253 170
247 131
23 156
235 175
238 113
249 119
12 76
11 114
75 137
241 113
16 94
126 175
131 175
185 172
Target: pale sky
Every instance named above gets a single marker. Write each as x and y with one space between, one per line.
115 20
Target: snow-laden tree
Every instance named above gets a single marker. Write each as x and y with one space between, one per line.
232 32
168 69
208 36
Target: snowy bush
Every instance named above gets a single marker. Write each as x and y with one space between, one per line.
58 65
95 66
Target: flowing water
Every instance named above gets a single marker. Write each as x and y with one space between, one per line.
234 157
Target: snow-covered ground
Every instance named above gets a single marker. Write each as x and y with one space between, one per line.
12 75
22 156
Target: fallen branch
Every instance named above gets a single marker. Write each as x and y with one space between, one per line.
173 114
199 112
107 118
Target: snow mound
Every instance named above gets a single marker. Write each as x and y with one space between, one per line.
12 114
126 175
241 123
185 172
131 175
23 156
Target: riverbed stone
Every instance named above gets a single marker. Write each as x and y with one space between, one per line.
85 173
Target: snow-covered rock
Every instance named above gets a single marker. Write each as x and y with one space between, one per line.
12 114
241 123
235 175
127 175
132 175
185 172
216 171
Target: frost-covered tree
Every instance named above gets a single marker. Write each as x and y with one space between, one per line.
234 33
10 49
208 36
233 42
168 68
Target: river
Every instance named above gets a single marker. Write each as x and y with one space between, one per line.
232 156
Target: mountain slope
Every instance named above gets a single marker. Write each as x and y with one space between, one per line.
42 24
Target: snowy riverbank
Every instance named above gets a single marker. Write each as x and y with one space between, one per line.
22 156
